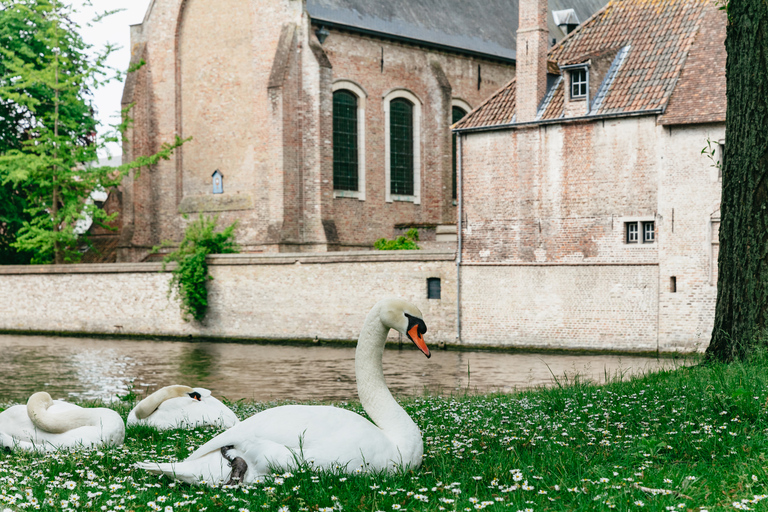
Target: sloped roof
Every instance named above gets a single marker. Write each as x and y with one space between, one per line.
668 53
481 26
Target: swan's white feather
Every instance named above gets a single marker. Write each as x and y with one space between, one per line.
18 432
323 436
186 412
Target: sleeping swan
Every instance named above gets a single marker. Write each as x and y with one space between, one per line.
181 407
46 426
324 436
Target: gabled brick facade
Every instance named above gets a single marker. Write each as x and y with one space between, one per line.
550 207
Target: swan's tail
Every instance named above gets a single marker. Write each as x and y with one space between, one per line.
211 469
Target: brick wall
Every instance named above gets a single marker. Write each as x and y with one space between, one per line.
690 186
435 78
551 306
251 297
544 239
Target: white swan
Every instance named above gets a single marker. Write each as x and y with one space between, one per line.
326 437
47 425
181 407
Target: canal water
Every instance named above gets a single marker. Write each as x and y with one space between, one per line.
85 368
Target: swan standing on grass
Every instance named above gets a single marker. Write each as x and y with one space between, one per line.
325 437
181 407
46 425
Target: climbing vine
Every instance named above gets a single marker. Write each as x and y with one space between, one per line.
191 273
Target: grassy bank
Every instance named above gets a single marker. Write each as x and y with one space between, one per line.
684 439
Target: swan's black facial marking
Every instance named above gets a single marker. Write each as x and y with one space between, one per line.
414 320
196 396
415 331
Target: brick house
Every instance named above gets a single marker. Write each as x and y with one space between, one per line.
328 121
589 215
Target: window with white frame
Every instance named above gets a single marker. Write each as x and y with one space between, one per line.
640 232
402 157
348 140
578 83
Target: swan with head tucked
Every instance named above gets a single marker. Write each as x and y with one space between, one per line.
181 407
47 425
325 437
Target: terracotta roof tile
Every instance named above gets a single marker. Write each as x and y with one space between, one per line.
675 59
700 93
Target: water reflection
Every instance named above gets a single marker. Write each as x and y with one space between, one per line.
101 369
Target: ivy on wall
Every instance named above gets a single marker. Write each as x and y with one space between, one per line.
191 272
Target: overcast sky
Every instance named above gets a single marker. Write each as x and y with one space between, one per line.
113 29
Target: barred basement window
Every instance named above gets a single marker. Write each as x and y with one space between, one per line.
458 113
578 83
433 288
345 157
401 146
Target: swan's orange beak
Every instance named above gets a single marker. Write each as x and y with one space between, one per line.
418 340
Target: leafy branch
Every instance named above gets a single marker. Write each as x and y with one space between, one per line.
191 273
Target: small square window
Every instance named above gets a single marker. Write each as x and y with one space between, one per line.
578 83
433 288
640 232
649 232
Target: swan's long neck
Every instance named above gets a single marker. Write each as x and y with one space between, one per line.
375 397
153 401
60 422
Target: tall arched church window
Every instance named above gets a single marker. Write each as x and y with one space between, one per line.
345 141
402 140
458 113
401 146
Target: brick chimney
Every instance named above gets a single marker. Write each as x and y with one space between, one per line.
532 46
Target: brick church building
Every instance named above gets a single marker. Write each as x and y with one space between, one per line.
318 125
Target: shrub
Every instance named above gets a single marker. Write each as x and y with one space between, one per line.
401 243
191 274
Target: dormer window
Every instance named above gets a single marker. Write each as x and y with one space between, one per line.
579 83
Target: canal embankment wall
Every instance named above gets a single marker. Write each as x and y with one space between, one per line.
326 296
323 296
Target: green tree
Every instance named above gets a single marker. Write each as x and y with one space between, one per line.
49 130
741 317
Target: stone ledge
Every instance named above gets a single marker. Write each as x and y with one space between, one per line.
330 257
236 259
84 268
216 203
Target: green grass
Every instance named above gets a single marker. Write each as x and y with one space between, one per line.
682 439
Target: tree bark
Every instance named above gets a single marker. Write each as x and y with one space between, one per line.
741 316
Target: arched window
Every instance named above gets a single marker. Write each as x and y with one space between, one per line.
401 146
402 156
458 113
345 144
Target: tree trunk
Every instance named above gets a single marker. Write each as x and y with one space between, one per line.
741 316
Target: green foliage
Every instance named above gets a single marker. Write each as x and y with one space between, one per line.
684 438
401 243
191 273
48 134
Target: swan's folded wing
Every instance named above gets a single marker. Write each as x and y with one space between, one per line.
211 469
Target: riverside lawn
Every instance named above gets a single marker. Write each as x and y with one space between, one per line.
690 438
